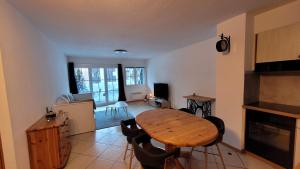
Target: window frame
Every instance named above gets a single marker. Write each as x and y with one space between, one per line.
135 75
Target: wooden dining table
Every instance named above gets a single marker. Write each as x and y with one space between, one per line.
176 128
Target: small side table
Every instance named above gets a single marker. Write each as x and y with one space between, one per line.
195 102
161 103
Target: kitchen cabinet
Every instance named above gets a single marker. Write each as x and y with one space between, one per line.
1 156
49 144
281 44
297 146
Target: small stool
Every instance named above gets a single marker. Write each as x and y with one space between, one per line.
123 105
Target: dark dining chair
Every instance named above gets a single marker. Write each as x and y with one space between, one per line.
149 156
130 130
219 123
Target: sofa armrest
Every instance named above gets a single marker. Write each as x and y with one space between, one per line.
81 115
82 97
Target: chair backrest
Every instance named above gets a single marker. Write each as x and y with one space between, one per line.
186 110
129 129
147 159
219 123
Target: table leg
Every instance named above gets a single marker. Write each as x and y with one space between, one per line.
171 162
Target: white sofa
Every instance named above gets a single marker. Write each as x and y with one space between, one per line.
80 110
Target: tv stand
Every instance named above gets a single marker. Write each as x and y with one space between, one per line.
158 102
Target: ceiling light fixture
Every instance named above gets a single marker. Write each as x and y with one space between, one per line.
120 51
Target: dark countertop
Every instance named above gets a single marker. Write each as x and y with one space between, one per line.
280 109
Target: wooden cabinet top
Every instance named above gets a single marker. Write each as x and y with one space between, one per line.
43 123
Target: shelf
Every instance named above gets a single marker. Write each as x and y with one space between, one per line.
274 108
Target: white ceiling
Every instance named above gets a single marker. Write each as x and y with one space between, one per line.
146 28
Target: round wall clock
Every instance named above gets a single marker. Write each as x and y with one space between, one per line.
223 45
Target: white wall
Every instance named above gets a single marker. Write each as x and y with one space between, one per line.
35 74
5 123
135 92
230 80
187 70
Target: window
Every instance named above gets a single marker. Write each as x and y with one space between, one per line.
135 75
82 80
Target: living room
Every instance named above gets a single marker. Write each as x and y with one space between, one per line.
174 43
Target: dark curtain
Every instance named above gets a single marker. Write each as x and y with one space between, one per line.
72 79
122 96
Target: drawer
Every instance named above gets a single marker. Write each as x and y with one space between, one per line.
64 130
37 138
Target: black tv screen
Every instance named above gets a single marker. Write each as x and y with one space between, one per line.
161 90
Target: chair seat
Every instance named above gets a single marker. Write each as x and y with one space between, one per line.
211 144
121 104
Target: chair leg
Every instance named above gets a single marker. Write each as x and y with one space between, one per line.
165 165
125 109
116 112
221 156
125 153
206 157
131 157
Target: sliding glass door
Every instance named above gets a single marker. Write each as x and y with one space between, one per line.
102 82
112 84
98 85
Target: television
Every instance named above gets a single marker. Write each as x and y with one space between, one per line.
161 90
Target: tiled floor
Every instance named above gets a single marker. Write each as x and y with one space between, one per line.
104 149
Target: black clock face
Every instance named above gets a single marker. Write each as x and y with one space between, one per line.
222 45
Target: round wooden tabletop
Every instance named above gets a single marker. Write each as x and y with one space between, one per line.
177 128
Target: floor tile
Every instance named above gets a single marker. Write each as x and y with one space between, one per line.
230 157
200 156
79 162
96 149
101 164
112 154
253 163
81 146
196 164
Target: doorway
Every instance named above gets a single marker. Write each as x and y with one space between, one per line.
102 82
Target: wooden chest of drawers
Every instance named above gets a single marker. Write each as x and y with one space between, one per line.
49 144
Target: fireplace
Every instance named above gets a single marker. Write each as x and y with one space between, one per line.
270 136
